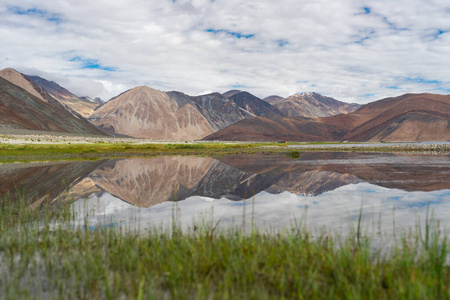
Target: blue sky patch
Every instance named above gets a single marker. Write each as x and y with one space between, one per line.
238 35
282 43
91 64
363 39
438 33
422 80
436 83
35 12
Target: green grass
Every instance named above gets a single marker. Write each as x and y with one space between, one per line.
30 152
66 151
44 256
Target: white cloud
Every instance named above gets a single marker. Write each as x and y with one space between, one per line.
352 50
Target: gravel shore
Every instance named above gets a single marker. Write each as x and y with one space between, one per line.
17 136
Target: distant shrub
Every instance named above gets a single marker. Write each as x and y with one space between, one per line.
294 154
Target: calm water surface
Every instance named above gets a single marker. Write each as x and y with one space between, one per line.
323 191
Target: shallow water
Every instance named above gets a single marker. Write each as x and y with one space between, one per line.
370 144
322 191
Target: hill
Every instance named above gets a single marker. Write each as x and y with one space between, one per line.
51 92
411 117
21 110
148 113
253 105
311 105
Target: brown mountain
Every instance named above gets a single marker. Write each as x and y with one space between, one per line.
80 105
50 92
21 110
231 93
411 117
312 105
145 112
253 105
276 128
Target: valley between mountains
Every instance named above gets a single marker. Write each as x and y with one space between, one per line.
34 103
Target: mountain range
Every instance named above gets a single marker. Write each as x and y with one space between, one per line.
20 109
311 105
51 92
410 117
34 103
147 113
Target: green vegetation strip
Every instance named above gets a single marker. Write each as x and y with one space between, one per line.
61 151
44 256
28 152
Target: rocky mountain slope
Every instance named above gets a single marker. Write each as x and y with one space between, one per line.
50 92
276 128
411 117
148 113
80 105
21 110
311 105
252 104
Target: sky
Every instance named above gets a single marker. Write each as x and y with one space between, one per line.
351 50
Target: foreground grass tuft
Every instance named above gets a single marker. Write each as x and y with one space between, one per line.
43 256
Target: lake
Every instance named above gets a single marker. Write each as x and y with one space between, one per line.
320 191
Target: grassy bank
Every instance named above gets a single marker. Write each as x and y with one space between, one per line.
27 152
62 151
43 256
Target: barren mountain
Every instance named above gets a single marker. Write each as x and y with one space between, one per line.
276 128
312 105
411 117
22 110
82 106
21 80
231 93
253 105
145 112
50 92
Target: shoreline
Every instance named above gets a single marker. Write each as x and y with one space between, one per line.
61 146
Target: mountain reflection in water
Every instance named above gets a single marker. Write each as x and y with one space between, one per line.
144 182
278 183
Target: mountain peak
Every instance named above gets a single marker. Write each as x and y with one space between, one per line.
231 93
312 105
20 80
9 70
309 94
